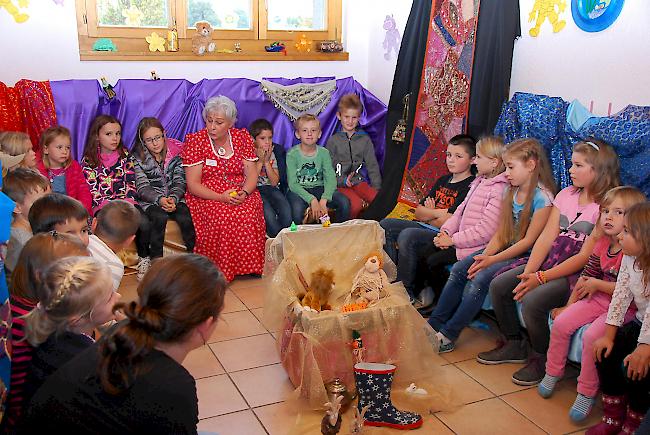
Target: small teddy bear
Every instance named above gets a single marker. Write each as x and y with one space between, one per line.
202 41
368 284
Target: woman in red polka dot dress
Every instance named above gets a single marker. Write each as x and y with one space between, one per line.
221 178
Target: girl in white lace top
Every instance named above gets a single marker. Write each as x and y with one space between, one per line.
623 353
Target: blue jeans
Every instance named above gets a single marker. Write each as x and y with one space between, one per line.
277 211
411 238
462 299
339 202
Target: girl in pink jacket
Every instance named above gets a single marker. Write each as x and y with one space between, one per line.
520 215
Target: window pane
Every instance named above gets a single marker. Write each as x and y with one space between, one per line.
297 15
133 13
221 14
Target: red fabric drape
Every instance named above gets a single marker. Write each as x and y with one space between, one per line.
27 107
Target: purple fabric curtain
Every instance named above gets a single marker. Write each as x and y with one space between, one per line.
178 105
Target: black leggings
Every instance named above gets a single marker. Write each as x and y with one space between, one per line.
613 374
151 235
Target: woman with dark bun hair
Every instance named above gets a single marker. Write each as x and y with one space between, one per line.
132 380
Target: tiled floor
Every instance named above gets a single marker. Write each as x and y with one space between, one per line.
242 386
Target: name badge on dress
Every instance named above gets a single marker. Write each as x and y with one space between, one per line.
210 162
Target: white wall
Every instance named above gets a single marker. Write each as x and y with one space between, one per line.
608 66
46 48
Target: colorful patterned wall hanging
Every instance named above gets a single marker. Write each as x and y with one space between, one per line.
443 97
595 15
547 10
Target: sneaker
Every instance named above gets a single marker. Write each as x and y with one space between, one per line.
446 345
546 387
533 372
143 266
512 351
581 407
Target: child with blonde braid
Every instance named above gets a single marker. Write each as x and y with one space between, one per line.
75 296
39 252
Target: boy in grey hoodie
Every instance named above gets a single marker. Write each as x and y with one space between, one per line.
351 149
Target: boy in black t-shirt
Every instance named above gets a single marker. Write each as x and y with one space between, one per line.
447 193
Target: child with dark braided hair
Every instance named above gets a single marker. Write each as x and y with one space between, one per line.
76 296
132 380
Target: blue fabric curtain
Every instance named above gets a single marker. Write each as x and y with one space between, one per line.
545 118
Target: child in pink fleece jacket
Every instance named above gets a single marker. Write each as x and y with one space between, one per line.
475 220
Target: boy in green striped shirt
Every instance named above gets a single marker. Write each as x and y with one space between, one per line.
310 175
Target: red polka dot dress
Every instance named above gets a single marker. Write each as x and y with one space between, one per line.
232 236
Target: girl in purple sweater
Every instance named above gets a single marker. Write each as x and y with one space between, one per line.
524 210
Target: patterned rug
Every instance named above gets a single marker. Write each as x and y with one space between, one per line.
443 97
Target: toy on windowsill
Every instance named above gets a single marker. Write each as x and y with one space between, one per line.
237 47
276 47
303 45
156 42
369 283
317 291
154 76
104 44
330 46
202 42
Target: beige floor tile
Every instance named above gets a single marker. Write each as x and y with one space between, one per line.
202 363
282 419
246 353
490 416
252 296
247 281
433 425
259 313
232 303
218 395
551 414
237 423
237 325
465 389
263 385
470 343
496 378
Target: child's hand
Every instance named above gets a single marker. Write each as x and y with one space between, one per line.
528 282
586 287
481 261
429 202
323 207
314 206
603 347
443 240
638 362
556 312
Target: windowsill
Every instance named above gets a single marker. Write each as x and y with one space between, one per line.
90 55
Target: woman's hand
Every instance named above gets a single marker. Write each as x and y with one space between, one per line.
638 362
528 282
232 197
602 348
586 287
481 261
443 240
